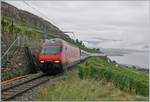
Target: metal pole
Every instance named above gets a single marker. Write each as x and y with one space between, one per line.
45 31
18 38
74 35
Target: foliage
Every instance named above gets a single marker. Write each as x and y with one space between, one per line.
11 73
125 79
81 45
71 88
11 26
22 28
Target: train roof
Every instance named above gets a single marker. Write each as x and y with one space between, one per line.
54 40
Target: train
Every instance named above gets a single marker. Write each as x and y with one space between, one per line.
57 55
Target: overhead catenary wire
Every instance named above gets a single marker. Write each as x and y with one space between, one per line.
41 14
45 16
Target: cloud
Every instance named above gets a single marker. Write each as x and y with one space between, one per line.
112 24
91 42
104 39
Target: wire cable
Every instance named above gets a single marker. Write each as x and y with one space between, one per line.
41 14
46 17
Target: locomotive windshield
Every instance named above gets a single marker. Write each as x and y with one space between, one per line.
51 49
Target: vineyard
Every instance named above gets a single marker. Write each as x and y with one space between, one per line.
124 78
80 85
19 28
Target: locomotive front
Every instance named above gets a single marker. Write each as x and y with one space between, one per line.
50 57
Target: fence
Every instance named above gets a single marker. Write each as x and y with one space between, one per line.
20 41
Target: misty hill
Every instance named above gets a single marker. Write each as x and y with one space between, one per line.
118 52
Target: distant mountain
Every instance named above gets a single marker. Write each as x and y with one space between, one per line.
119 52
136 67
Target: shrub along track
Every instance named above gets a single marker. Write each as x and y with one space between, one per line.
11 89
126 79
15 88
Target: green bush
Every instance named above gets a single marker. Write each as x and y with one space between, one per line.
123 78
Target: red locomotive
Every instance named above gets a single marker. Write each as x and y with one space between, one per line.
56 54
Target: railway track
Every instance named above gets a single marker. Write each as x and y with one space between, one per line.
12 90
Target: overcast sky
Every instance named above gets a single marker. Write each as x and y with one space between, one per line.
107 24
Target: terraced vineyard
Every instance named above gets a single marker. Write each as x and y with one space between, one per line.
90 84
124 78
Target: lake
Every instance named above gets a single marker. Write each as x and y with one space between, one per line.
139 59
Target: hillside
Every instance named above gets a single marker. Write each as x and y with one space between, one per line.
21 28
20 21
27 17
98 80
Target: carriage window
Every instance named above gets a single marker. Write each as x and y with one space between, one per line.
51 49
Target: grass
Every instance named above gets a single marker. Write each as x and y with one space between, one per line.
126 79
11 73
72 88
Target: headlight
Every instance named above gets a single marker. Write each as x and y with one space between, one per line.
57 61
41 61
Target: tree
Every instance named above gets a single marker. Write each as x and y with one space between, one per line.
80 42
97 49
134 67
77 41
